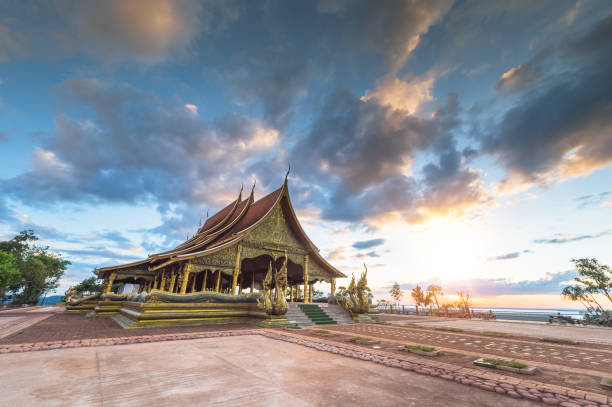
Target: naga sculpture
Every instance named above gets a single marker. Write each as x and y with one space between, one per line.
264 302
355 298
72 298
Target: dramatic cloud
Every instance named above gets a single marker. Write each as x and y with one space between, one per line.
509 256
367 244
394 30
561 128
364 152
569 239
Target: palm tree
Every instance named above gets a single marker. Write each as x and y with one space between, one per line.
418 296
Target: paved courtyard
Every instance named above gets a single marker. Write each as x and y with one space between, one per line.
234 371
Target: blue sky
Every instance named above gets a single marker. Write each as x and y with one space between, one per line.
462 142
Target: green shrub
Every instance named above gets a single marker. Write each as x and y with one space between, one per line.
419 347
500 362
360 339
293 327
322 331
495 333
559 340
448 328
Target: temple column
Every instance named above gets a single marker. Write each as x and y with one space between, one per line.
306 279
218 280
154 286
193 282
333 286
162 285
310 292
172 281
241 282
186 272
205 278
111 280
290 293
236 269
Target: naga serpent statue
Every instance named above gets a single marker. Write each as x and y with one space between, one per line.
355 298
279 305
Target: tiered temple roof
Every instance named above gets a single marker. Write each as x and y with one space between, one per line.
228 227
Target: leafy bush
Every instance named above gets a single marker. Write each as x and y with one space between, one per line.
559 340
511 363
448 328
422 348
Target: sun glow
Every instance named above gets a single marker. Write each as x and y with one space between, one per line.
443 248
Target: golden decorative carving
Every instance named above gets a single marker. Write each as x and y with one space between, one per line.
355 298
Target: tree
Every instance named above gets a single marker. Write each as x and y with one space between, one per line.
433 291
9 273
418 296
464 302
594 279
88 286
39 269
396 292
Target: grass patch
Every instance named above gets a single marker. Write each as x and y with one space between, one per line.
449 329
495 333
322 331
360 339
610 382
559 340
500 362
422 348
293 327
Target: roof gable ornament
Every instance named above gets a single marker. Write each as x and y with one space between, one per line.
288 171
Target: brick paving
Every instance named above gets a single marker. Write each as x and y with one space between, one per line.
60 331
569 356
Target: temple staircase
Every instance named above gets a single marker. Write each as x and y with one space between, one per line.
296 316
316 314
339 314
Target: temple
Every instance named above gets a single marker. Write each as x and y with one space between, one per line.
242 264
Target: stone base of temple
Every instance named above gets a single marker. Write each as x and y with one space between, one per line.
84 307
108 307
133 315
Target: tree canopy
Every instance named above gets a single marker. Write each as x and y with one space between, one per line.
28 271
594 280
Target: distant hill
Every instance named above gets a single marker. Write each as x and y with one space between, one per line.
51 299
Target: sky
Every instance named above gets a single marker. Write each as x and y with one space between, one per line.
462 143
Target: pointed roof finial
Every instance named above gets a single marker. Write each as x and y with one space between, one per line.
240 194
253 188
288 171
207 213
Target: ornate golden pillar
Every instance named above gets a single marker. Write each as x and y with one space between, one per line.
333 286
162 285
310 292
111 280
205 278
218 280
186 272
154 286
172 281
236 268
306 279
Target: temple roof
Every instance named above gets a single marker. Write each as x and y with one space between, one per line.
228 227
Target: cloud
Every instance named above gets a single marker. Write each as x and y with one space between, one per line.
519 77
367 244
507 256
407 95
593 199
562 127
3 136
551 283
363 153
569 238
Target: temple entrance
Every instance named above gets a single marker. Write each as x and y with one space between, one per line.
253 271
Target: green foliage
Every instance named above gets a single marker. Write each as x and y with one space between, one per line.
421 348
594 280
418 295
322 331
495 333
88 286
396 292
559 340
500 362
9 273
39 269
449 329
360 339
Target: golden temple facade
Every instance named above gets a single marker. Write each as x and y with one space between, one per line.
248 251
